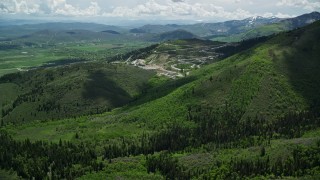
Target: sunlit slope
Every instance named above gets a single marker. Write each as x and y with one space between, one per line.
269 80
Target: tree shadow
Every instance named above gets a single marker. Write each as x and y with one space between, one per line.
303 63
150 94
100 86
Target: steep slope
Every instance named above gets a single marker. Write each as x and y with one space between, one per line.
253 115
265 80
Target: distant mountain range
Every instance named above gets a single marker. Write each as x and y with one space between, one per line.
207 29
235 30
213 30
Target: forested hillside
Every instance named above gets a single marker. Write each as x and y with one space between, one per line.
69 91
252 115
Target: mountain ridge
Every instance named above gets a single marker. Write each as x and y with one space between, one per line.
233 26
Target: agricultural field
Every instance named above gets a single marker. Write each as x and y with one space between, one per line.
21 57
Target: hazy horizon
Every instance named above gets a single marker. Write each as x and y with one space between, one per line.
151 11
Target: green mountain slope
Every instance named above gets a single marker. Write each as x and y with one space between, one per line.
271 79
44 94
252 115
80 89
255 114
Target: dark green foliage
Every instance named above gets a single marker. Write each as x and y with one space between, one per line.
157 91
167 165
136 54
101 86
173 35
300 162
63 62
296 124
224 130
172 139
42 160
10 77
262 151
230 127
4 47
243 45
111 32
